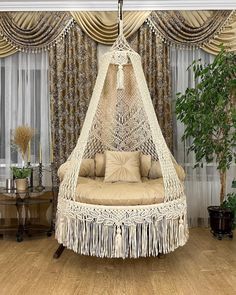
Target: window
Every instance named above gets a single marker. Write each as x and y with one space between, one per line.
24 100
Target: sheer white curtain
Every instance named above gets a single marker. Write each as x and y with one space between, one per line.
202 184
24 99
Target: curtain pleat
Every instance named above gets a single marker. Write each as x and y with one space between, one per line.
102 26
226 36
6 48
73 71
156 65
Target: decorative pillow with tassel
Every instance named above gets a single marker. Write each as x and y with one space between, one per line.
100 164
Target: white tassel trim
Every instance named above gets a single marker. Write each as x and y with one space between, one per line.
118 243
136 240
181 232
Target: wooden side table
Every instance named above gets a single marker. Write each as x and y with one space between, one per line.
24 203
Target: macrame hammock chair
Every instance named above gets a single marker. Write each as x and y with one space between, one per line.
121 117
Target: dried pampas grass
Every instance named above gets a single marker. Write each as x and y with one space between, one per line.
21 137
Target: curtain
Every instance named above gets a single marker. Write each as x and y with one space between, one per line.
73 71
202 185
36 31
156 65
23 100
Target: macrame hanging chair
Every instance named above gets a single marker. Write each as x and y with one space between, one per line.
121 117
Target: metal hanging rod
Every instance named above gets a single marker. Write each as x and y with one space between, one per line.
120 13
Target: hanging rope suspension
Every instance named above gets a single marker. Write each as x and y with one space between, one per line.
120 72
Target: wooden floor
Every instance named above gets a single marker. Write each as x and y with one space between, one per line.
203 266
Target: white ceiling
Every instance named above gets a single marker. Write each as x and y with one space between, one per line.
108 5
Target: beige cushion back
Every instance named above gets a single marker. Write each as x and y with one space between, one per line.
155 171
100 165
145 165
87 168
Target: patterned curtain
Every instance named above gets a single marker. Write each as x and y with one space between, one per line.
204 29
156 66
73 71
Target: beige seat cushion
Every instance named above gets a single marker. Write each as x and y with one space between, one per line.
155 171
86 168
122 166
96 191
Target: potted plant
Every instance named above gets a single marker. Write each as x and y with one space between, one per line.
20 175
230 203
208 112
21 139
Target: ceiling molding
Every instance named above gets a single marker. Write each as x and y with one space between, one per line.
107 5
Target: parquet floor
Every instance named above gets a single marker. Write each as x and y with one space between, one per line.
203 266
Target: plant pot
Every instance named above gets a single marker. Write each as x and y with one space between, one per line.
21 184
221 221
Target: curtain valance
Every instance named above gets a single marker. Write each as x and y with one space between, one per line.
31 31
189 29
102 26
35 31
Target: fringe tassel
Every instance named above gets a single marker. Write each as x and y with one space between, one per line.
118 243
120 77
122 241
181 232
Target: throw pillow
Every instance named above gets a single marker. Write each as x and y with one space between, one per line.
122 166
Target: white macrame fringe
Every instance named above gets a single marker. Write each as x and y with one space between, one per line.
122 241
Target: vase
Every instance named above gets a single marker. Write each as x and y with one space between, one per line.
21 184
